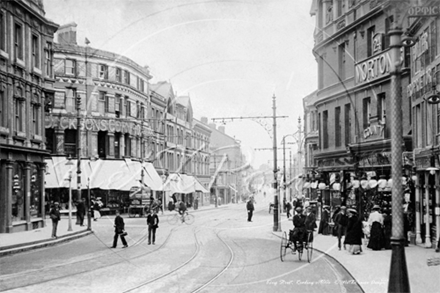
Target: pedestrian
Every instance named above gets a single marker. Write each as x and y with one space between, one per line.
55 215
323 224
387 228
310 224
250 208
288 208
334 230
341 222
119 231
97 208
80 211
354 232
153 224
375 223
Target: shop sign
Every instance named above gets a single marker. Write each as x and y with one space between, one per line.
377 43
375 159
421 46
419 82
424 11
337 162
374 68
97 124
374 131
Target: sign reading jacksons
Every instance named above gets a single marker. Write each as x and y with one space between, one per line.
373 68
97 124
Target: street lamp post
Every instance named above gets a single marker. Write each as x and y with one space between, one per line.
276 222
69 228
398 278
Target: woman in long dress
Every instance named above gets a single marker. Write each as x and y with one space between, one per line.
375 221
323 224
354 235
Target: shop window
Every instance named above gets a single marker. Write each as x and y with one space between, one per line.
36 196
35 51
18 196
70 142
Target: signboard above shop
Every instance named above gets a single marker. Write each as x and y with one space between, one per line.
424 11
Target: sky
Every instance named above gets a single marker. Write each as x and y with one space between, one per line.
230 56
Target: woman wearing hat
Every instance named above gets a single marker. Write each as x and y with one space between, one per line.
375 222
354 232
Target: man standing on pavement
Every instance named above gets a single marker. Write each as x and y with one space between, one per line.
56 217
119 230
153 224
80 211
250 208
341 222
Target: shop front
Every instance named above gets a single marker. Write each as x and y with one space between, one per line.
21 189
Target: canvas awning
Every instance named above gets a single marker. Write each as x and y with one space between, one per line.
182 183
103 174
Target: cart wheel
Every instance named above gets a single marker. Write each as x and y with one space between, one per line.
131 212
310 248
189 219
283 246
173 218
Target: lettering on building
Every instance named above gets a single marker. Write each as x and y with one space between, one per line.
374 68
374 131
419 82
421 11
96 124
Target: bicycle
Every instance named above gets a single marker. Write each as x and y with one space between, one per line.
184 218
287 243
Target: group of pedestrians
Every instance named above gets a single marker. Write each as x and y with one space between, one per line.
152 223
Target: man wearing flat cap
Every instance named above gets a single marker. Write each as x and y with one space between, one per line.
341 222
299 228
55 215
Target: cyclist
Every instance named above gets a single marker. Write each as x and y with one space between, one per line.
182 209
297 236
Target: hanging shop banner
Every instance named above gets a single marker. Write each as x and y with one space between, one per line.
373 68
97 124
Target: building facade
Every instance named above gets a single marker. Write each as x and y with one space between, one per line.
26 84
227 165
423 94
353 98
201 156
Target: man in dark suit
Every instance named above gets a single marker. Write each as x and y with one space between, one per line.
153 224
310 224
250 209
119 229
80 211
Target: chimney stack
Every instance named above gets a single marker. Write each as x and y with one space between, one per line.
67 34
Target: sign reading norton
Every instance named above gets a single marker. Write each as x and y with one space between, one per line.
373 68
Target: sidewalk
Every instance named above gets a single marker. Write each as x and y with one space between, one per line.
371 268
11 243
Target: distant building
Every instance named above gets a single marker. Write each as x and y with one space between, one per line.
26 88
226 166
